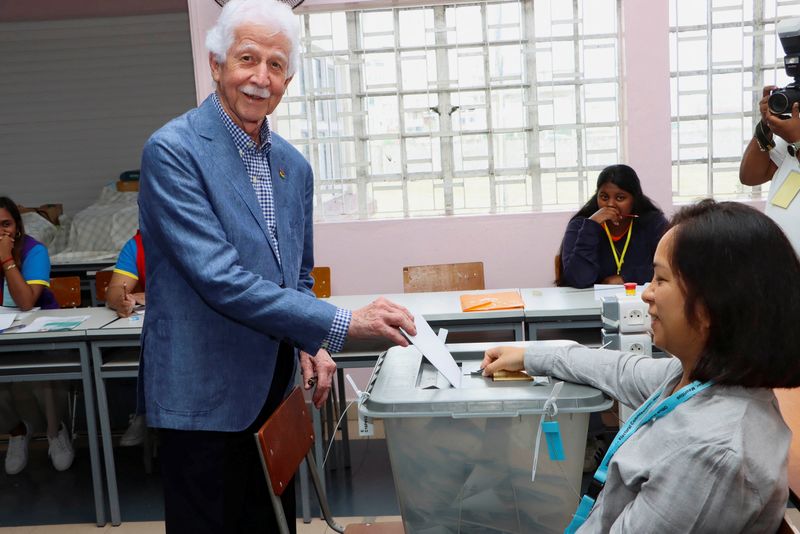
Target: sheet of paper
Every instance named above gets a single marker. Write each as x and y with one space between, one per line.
6 319
788 190
54 324
435 351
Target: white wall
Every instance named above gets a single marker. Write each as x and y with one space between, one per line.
79 97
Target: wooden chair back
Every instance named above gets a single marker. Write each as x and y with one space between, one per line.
283 441
322 282
443 277
785 527
558 269
101 280
67 290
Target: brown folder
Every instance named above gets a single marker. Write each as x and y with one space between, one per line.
506 300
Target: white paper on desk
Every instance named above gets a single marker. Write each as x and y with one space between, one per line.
435 351
6 319
54 324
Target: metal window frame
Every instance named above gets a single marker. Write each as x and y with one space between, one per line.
357 174
754 28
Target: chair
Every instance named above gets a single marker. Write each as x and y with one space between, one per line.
101 280
443 277
67 290
283 441
785 527
322 282
559 269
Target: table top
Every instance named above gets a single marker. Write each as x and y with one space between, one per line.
441 306
544 302
97 318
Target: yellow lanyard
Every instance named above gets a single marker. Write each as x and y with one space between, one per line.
619 260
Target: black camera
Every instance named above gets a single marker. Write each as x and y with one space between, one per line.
781 100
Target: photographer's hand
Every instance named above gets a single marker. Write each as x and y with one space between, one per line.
763 105
786 129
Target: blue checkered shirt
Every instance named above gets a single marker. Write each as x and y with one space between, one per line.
256 162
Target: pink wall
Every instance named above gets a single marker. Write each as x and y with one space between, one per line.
517 250
646 99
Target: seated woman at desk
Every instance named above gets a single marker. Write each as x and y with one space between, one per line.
126 288
612 238
706 450
125 291
25 281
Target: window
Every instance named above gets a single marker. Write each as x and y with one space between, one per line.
722 52
489 107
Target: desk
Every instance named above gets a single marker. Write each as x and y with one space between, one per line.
789 400
443 309
560 307
563 307
16 365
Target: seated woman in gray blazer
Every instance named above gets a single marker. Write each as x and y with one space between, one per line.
706 450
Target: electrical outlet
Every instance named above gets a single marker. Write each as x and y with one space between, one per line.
636 347
635 317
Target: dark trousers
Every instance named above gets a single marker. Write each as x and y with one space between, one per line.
214 482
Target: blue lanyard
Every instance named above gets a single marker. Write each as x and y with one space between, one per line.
643 415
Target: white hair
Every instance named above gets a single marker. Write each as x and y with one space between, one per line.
269 13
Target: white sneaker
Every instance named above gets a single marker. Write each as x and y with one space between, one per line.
134 435
60 450
17 453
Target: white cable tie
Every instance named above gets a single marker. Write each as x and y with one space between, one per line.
550 406
361 396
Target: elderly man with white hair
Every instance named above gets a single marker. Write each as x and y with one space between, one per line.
226 218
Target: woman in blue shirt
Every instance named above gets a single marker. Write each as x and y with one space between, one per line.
25 279
612 238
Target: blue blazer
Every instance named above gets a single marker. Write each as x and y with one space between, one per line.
215 310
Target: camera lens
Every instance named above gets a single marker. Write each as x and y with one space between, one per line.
778 103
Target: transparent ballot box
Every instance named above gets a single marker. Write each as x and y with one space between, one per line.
462 457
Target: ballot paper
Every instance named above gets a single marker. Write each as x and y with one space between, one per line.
6 319
54 324
434 349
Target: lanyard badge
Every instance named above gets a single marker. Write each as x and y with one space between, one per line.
619 259
640 417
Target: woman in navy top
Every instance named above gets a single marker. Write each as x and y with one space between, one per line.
613 237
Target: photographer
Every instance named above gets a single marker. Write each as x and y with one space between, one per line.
773 154
774 151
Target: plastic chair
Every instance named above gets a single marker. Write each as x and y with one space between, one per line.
443 277
283 441
322 282
67 290
101 280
